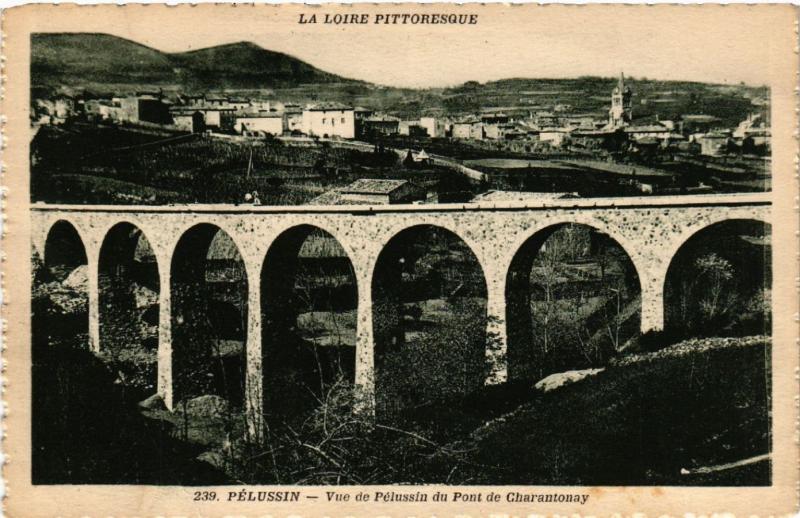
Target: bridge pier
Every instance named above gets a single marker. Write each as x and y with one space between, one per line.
164 382
496 334
365 351
652 305
254 370
93 274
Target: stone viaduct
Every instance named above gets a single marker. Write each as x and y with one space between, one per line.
650 229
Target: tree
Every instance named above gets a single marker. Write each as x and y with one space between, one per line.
716 274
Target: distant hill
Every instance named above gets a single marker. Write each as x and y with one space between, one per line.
79 59
103 63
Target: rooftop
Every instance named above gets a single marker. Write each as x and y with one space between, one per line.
326 107
382 118
258 114
504 196
699 118
649 128
373 186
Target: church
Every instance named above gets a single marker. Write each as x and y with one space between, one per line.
621 110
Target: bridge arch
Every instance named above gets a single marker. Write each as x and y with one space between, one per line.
64 247
451 227
568 285
64 262
129 289
719 276
309 299
429 319
209 310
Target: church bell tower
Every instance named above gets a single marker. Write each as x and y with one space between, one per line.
621 104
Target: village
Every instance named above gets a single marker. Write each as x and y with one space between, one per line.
691 154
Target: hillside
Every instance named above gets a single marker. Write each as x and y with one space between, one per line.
69 59
695 413
246 65
81 59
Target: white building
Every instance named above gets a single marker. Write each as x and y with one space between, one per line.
258 122
329 120
713 144
471 128
433 126
404 127
557 137
657 131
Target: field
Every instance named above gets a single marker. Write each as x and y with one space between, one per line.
83 163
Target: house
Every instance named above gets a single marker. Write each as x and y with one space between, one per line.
697 123
258 122
293 118
188 119
215 100
544 119
713 144
433 126
144 107
557 137
506 131
470 128
63 107
495 118
656 130
329 120
54 111
412 128
97 109
584 122
381 191
752 125
361 114
218 117
239 103
380 125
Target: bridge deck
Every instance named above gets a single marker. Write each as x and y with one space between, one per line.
705 200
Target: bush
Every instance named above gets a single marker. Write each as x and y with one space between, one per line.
652 341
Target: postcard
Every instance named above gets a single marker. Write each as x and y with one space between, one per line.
400 260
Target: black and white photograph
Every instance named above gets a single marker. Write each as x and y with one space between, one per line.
472 253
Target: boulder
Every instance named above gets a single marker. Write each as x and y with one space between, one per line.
154 402
561 379
144 297
207 406
214 458
78 279
68 301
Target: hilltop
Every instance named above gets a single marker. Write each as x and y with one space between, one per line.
94 60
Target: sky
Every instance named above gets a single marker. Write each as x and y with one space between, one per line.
719 44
